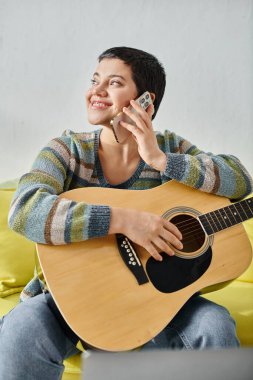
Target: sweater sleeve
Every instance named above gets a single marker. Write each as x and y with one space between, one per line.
38 212
219 174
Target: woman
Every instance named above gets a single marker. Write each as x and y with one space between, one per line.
143 159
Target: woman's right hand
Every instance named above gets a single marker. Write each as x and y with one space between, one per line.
150 231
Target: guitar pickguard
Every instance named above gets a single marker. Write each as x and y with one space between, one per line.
175 273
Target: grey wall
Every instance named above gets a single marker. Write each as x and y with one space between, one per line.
48 51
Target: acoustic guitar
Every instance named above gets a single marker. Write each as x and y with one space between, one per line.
114 295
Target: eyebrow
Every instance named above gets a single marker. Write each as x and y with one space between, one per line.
111 76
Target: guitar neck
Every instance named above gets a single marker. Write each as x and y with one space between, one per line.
228 216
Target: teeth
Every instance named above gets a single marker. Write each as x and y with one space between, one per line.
101 105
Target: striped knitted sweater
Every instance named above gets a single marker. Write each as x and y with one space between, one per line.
72 161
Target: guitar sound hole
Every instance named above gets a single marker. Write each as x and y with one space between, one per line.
191 230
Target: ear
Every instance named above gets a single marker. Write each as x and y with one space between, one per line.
152 96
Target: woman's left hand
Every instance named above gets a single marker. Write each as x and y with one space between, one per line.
144 135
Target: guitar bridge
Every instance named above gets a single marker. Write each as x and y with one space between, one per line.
131 259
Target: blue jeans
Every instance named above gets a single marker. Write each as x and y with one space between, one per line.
33 344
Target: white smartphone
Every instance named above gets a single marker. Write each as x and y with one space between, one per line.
144 101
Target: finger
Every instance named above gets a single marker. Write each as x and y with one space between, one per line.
137 119
153 252
172 239
173 229
141 111
131 128
161 244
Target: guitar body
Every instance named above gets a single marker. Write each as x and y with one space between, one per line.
99 296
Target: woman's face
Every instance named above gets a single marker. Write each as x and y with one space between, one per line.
112 89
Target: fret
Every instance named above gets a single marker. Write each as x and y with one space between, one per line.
206 225
249 208
242 211
211 215
232 217
225 217
221 220
217 217
236 214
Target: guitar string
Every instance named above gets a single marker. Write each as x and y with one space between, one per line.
193 224
218 218
193 220
211 224
195 227
189 231
191 234
191 238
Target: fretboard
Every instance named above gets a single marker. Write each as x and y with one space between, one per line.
228 216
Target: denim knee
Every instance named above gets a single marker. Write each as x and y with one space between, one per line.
32 343
204 324
200 324
20 328
217 328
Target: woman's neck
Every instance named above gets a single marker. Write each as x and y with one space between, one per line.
125 151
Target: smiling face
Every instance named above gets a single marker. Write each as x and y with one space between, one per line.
112 89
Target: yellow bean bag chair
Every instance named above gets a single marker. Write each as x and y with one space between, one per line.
17 261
